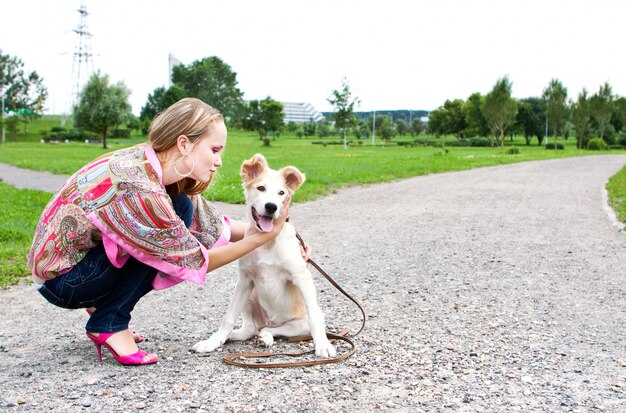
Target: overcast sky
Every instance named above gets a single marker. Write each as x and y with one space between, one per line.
395 54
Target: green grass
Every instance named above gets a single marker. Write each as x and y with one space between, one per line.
21 209
327 168
35 129
617 194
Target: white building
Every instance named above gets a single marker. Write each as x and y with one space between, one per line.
300 113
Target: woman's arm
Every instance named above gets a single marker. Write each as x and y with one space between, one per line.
237 230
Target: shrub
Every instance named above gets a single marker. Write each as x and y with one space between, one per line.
120 133
480 141
596 144
558 146
72 135
615 146
458 143
428 142
512 151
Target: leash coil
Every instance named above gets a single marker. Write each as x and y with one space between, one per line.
235 359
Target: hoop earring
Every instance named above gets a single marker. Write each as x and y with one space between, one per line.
193 165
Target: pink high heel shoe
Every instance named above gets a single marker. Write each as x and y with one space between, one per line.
136 336
135 359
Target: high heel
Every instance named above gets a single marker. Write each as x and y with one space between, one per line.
135 359
136 336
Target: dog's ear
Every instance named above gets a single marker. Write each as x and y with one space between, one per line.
293 177
253 167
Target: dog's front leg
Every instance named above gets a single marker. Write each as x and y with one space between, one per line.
323 347
241 295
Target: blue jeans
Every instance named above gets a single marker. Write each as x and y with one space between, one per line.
95 282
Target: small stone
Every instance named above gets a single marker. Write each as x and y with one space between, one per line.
21 401
140 405
86 403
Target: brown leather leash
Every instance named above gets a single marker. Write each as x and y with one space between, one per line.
233 359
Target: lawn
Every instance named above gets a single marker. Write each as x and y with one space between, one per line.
617 194
327 167
20 212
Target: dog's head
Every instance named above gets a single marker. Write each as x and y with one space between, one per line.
266 189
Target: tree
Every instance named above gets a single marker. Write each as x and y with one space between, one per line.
263 116
475 123
416 127
253 120
387 128
402 127
581 116
214 82
23 93
344 105
531 118
101 106
499 108
159 100
602 108
620 113
448 119
555 96
273 115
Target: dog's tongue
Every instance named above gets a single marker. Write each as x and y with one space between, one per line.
265 223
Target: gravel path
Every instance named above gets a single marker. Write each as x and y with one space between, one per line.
495 289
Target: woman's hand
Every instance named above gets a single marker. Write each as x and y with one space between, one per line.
282 217
278 222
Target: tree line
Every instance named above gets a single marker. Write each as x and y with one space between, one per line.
103 106
497 115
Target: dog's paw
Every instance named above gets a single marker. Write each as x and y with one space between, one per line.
323 348
209 345
266 338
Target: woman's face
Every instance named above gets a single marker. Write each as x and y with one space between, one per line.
207 153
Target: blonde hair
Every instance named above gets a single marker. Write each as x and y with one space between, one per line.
190 117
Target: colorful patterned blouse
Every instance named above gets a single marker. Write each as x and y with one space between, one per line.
119 200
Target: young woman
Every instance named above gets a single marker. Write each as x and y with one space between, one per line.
134 220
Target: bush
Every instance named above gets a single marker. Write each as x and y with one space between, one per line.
558 146
324 143
120 133
615 147
480 141
72 135
512 151
596 144
458 143
429 142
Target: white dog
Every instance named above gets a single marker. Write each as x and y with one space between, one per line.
275 294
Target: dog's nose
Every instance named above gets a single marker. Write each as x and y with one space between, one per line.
271 207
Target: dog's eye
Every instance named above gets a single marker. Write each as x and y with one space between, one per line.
281 193
261 188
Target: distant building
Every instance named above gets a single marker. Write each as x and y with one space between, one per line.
300 113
